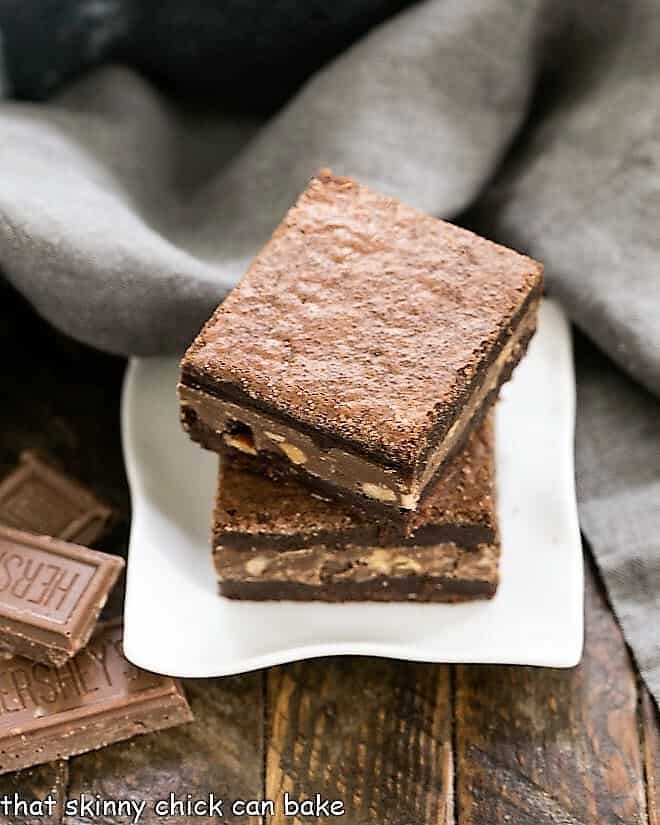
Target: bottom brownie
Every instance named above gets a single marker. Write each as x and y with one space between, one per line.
436 573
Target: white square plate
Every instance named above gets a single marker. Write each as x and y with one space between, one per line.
175 622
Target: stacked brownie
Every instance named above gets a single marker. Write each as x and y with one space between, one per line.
347 383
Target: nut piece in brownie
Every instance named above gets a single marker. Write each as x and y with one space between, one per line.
255 512
361 347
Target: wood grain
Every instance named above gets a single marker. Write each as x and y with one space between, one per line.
371 732
553 746
651 736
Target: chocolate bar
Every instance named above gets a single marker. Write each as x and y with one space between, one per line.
361 347
51 594
40 499
433 573
95 699
255 512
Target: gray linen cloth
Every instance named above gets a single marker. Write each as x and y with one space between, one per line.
125 220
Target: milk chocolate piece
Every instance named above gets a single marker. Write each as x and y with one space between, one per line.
434 573
255 511
51 594
40 499
95 699
362 345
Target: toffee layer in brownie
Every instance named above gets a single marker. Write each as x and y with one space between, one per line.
254 511
435 573
361 344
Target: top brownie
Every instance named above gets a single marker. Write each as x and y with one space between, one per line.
365 325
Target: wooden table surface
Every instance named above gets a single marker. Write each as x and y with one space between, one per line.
400 743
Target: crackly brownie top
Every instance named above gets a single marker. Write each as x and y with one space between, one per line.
257 507
363 318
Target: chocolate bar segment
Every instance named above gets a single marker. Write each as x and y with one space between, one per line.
95 699
51 594
40 499
361 347
434 573
255 511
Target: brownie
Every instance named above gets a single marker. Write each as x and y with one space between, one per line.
433 573
361 347
257 511
273 540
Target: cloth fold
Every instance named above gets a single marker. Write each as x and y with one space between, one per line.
125 217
